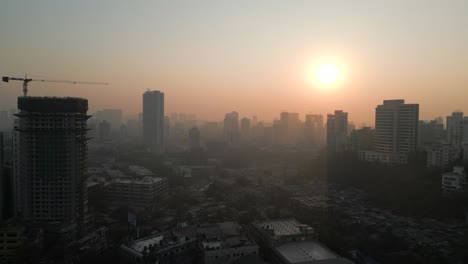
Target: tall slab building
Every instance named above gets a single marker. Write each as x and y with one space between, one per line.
337 132
50 156
231 129
153 121
396 129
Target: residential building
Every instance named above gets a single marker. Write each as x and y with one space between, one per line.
440 155
112 116
455 129
224 242
454 181
231 129
50 156
133 192
176 246
362 139
245 128
396 129
289 242
153 120
217 243
12 240
289 128
430 133
337 132
313 129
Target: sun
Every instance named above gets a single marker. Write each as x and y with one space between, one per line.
327 74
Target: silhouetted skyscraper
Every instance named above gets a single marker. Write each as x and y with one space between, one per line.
455 129
153 120
245 127
231 129
313 127
396 129
289 128
50 156
337 132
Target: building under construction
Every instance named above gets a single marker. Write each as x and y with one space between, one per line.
50 156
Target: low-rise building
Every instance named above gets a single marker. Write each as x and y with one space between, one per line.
208 243
175 246
289 242
224 242
136 192
454 181
440 155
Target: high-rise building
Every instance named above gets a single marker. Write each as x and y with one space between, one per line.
396 129
4 121
430 133
112 116
337 132
245 127
289 128
455 129
6 186
194 138
153 120
313 127
50 156
2 184
362 139
231 129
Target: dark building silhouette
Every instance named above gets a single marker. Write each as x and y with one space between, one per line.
245 127
337 132
50 156
153 120
231 129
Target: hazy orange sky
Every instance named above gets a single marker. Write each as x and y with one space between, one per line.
213 57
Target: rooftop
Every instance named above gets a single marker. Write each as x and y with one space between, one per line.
145 180
140 171
307 252
52 104
283 227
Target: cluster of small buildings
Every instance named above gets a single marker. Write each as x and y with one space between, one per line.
209 243
284 241
354 211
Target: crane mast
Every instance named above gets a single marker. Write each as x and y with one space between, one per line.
27 80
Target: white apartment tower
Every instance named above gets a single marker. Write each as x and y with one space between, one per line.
396 129
50 156
153 120
337 132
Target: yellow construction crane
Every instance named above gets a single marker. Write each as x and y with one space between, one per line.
27 80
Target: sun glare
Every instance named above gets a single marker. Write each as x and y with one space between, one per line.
327 74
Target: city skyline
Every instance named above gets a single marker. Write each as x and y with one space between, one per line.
217 131
240 53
